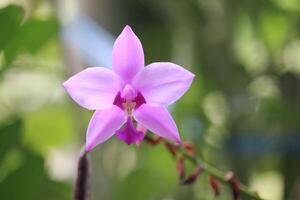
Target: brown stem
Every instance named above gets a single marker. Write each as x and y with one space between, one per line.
81 186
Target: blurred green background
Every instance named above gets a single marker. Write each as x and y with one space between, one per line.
242 111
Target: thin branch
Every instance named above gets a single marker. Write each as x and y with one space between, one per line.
226 178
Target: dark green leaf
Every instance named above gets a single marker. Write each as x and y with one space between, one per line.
32 182
10 19
10 136
30 37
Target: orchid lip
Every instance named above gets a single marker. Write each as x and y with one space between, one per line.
129 134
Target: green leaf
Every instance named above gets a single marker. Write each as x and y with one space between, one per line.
136 186
31 182
30 37
27 179
10 20
149 181
10 136
48 128
276 28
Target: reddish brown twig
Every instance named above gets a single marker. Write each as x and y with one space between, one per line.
152 140
171 148
187 151
190 148
194 175
180 168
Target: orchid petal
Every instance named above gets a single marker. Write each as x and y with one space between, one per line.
158 120
163 83
93 88
127 55
104 125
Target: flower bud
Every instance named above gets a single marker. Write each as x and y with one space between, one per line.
152 140
194 175
190 148
214 185
180 167
234 184
172 149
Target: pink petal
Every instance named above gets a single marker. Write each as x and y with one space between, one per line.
162 82
127 55
103 125
93 88
158 120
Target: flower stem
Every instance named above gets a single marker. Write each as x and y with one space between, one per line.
211 170
81 186
219 174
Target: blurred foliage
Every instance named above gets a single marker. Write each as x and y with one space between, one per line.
42 132
246 57
22 171
30 37
10 20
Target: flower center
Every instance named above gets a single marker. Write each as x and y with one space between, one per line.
128 93
129 99
129 106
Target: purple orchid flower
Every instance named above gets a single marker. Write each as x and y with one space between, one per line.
129 92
